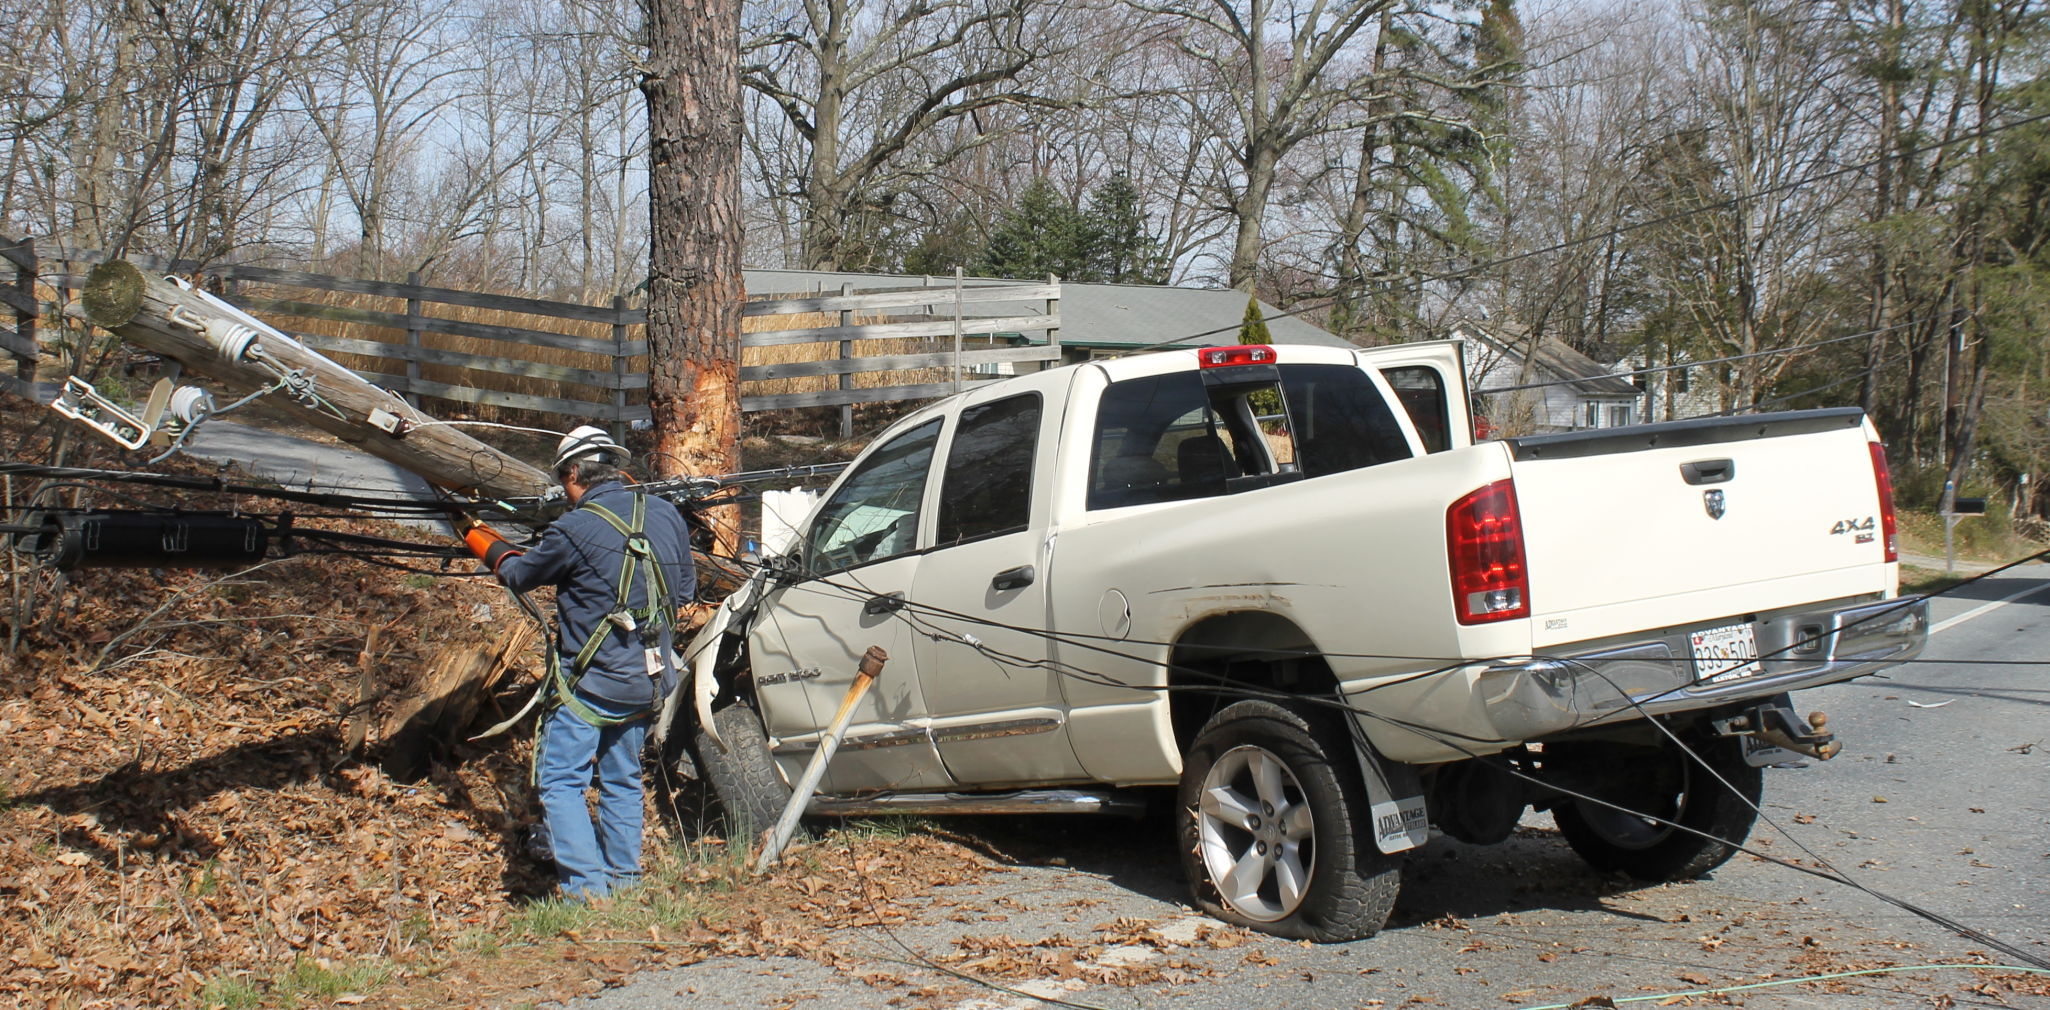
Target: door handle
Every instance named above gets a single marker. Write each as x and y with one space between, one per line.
1708 471
888 603
1013 578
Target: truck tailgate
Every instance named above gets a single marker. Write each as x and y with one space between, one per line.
1693 521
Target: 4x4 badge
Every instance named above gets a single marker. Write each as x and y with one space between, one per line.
1713 502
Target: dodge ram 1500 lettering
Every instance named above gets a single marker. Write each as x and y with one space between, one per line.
1287 583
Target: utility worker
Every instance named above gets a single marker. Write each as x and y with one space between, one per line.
621 566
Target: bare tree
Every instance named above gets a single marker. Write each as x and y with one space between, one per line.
1754 165
384 86
1279 63
857 84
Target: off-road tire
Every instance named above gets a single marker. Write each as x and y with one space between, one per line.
1351 884
743 776
1675 787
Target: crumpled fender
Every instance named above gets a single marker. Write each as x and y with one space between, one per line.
702 657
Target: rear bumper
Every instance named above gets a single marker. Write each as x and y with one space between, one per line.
1542 696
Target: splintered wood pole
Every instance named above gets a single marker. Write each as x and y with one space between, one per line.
800 797
186 327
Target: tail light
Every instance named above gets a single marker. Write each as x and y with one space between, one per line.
1236 354
1484 540
1884 478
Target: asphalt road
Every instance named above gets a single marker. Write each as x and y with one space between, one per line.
1941 798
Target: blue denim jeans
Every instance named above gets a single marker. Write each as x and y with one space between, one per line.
591 860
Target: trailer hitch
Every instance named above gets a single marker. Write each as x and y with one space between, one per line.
1772 733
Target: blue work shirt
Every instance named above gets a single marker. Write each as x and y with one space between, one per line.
580 554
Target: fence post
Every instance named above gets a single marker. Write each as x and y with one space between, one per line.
957 329
415 322
619 369
1053 333
25 321
846 378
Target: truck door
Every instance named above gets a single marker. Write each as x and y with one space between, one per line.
998 713
856 558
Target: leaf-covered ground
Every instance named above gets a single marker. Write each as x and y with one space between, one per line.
184 822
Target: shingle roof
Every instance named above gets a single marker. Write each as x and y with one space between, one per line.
1586 375
1112 316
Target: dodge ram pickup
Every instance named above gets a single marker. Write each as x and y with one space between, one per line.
1288 584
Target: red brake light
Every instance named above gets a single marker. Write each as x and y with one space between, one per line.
1884 478
1484 541
1236 354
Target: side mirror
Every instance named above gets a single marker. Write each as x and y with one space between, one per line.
783 567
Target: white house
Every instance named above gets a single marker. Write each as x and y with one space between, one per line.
1548 389
1674 393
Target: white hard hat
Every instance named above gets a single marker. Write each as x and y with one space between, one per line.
590 440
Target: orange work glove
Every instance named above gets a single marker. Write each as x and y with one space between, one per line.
485 542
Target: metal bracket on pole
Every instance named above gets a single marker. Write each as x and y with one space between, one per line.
800 797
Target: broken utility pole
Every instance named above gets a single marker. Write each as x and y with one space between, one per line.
216 340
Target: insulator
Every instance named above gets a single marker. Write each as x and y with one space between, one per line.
232 339
123 539
190 404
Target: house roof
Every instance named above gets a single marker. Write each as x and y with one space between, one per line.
1553 357
1109 316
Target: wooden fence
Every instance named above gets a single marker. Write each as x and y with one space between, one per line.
589 362
18 294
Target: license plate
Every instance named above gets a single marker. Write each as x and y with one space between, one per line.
1726 653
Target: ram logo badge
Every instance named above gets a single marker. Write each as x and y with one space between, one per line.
1712 500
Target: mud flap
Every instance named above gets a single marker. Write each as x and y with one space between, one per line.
1395 798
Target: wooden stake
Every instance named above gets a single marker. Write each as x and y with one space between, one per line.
800 797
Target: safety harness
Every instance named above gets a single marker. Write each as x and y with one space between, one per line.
655 622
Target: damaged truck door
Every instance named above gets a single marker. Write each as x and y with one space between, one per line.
1287 583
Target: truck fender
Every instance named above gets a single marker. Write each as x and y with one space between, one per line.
1395 798
702 657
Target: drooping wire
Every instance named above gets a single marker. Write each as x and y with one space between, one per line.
1224 686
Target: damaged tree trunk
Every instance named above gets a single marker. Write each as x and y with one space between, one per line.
691 83
185 327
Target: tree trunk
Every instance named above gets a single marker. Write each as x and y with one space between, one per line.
692 88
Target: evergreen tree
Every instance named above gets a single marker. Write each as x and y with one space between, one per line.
1041 234
1253 330
1121 251
1253 325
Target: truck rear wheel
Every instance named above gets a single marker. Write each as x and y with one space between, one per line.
1668 784
743 775
1274 829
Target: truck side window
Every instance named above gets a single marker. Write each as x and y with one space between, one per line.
874 513
1422 392
987 487
1140 426
1341 421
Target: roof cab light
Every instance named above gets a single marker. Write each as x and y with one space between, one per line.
1888 526
1484 542
1237 354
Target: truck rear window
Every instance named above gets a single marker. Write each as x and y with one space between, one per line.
1173 437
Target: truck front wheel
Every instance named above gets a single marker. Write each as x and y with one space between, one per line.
1672 787
743 775
1274 827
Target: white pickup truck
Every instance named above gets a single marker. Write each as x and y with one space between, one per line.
1288 583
